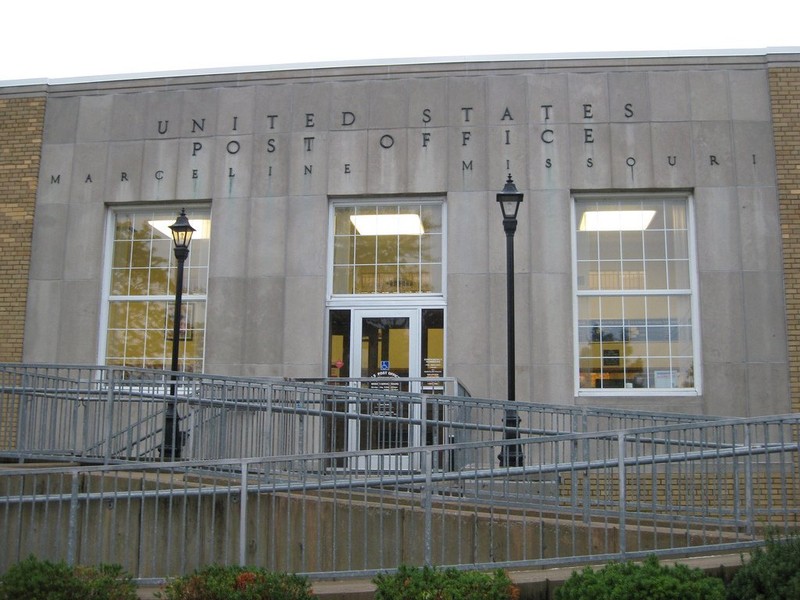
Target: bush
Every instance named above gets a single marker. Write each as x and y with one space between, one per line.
648 581
233 583
773 572
34 579
430 583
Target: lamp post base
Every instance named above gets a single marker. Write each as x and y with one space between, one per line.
511 456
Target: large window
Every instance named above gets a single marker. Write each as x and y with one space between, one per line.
387 248
141 290
634 294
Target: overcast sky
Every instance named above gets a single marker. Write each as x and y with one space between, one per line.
62 39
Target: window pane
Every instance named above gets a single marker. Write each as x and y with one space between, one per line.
387 249
656 275
677 244
431 248
654 245
678 273
587 242
343 280
408 279
628 338
397 249
431 216
365 280
610 245
365 249
431 279
587 276
142 264
342 250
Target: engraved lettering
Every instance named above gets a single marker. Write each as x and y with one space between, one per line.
195 174
672 160
308 169
548 163
588 136
347 168
309 119
231 174
163 126
631 162
235 119
587 111
508 137
269 171
589 163
233 147
754 159
546 110
629 110
548 136
308 142
159 175
507 115
426 115
198 125
196 147
123 176
387 141
271 145
466 166
426 137
348 118
272 120
88 178
467 110
465 135
713 160
55 178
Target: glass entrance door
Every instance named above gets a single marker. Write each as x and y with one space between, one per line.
385 354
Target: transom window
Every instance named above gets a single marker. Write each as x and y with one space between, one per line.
634 293
141 292
387 248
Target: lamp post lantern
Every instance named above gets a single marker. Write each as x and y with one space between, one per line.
181 238
509 200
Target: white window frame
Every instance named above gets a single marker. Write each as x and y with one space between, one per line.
108 257
428 299
692 292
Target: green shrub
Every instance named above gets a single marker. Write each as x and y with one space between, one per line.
648 581
34 579
430 583
216 582
773 572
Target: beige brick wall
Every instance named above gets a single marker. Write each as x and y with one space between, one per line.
785 91
703 494
21 126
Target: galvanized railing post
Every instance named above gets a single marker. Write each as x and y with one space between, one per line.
24 409
622 491
428 507
748 485
243 516
72 530
109 414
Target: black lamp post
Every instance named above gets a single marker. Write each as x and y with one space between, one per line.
509 200
181 237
